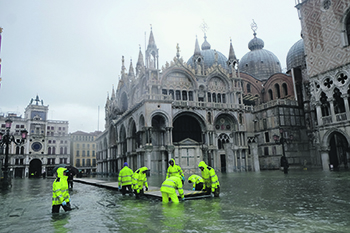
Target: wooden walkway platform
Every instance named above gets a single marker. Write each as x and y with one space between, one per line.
152 191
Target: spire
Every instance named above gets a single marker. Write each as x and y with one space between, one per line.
131 69
197 50
113 93
232 55
151 42
123 66
140 59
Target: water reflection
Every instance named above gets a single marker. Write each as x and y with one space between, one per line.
302 201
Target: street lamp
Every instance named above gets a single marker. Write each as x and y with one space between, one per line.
6 139
282 140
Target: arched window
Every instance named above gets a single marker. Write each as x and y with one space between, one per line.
190 95
248 88
214 97
285 89
53 150
277 88
22 150
177 93
184 95
49 151
17 150
219 98
270 94
338 102
209 97
324 104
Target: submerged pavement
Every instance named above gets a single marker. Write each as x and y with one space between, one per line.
269 201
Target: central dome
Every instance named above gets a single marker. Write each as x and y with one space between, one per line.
259 63
208 55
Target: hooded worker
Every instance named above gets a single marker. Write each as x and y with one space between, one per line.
169 187
211 180
125 179
175 170
139 180
60 194
198 182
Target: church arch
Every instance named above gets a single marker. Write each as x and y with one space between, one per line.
338 144
35 168
122 140
188 125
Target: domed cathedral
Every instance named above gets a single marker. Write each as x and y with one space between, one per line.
235 115
320 64
190 111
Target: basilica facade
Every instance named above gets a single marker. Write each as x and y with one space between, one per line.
235 114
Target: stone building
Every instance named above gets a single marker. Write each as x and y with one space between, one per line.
83 151
46 146
323 77
224 111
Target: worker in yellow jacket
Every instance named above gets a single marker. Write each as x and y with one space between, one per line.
198 182
60 194
211 180
125 179
169 187
175 170
139 180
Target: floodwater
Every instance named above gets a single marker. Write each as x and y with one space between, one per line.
268 201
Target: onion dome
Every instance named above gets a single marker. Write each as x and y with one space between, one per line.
296 55
259 62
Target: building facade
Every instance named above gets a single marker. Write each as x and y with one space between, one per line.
237 114
47 143
324 77
212 108
83 151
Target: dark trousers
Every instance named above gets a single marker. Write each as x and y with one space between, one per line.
129 189
138 195
216 192
70 184
199 187
56 208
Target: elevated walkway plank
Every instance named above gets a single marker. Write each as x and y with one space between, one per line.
152 191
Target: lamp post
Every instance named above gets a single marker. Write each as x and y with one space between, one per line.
281 140
6 139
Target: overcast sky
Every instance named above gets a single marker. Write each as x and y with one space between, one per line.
69 51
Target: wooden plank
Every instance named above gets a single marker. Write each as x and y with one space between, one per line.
152 191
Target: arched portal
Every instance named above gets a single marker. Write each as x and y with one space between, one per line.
338 151
186 127
35 168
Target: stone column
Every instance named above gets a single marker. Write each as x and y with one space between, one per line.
331 103
325 159
319 113
346 103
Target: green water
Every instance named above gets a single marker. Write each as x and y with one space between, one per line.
269 201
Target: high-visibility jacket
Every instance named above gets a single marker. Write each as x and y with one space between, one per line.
139 179
195 179
60 188
174 170
210 178
125 176
171 184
